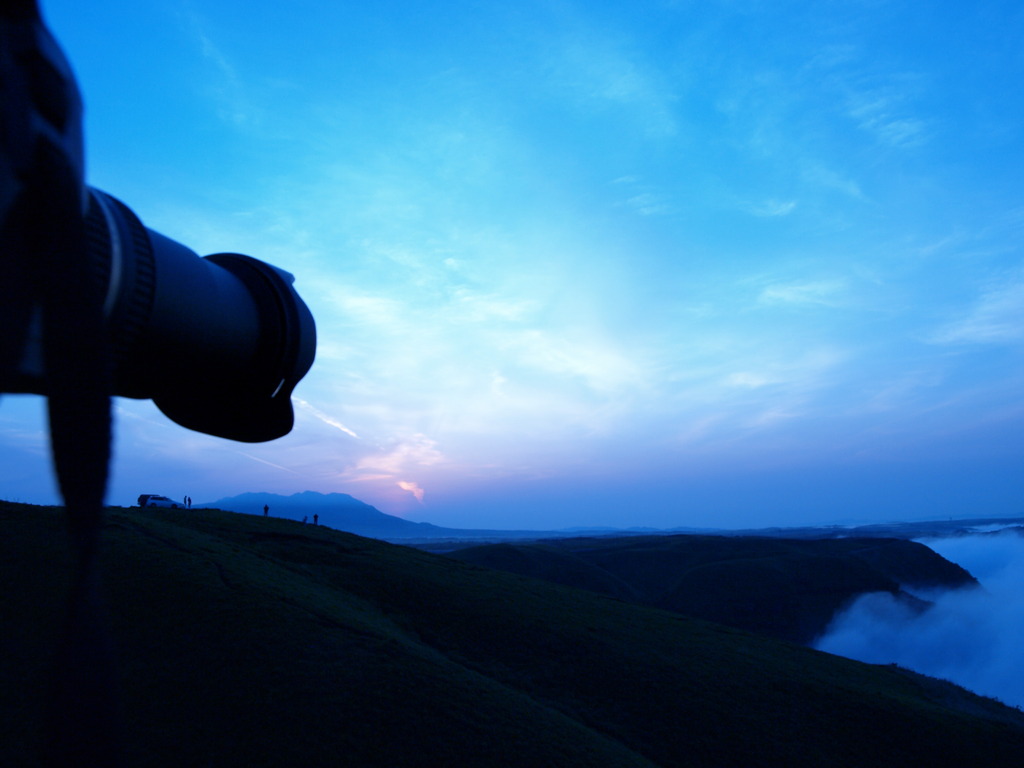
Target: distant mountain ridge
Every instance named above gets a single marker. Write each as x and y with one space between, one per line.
335 510
347 513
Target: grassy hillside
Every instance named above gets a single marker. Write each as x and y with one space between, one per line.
789 589
260 642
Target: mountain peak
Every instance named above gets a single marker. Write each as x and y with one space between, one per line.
334 510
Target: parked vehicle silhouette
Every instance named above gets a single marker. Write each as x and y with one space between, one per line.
155 500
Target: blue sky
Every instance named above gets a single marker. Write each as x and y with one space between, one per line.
717 263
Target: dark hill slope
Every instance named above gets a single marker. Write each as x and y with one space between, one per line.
346 513
258 642
335 510
785 588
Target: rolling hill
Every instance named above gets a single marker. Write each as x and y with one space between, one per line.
251 641
347 513
787 588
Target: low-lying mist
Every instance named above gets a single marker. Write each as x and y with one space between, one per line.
972 637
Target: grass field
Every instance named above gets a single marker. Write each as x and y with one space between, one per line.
252 641
787 588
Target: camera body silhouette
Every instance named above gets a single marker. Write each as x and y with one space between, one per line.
218 343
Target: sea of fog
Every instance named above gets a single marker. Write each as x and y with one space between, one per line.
972 637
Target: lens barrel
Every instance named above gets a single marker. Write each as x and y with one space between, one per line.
218 343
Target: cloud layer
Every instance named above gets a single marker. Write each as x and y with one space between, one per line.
973 637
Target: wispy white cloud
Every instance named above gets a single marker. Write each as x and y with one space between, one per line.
596 68
904 392
743 389
828 178
773 208
407 454
473 306
599 362
648 204
643 198
882 113
411 487
796 374
323 416
877 98
369 309
771 416
224 83
270 463
748 380
997 317
813 292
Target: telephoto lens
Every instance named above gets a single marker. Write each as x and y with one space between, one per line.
218 343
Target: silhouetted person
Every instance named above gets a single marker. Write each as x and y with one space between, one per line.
304 519
316 519
266 509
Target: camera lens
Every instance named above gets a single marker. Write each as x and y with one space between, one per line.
218 343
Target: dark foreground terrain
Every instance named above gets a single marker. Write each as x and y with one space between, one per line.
788 588
247 641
